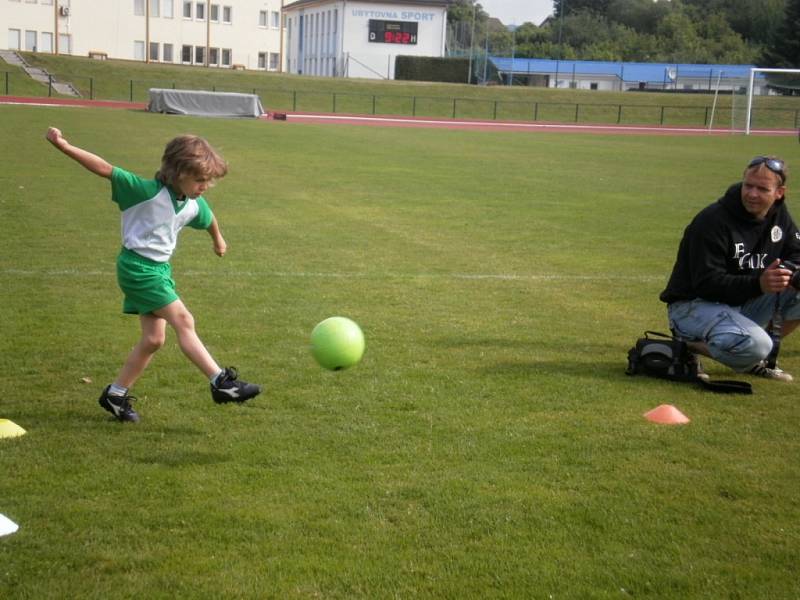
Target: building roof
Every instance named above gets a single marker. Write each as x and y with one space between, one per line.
626 71
421 3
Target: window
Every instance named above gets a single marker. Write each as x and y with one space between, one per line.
262 60
47 2
47 42
168 53
138 50
199 55
186 54
138 8
226 57
14 37
276 19
593 85
214 8
168 9
30 41
262 18
227 14
200 11
64 43
187 10
213 56
274 57
153 50
155 8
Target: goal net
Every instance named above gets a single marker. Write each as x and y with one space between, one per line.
765 81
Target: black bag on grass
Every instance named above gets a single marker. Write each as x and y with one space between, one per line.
663 356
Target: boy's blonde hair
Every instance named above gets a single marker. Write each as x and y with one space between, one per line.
190 155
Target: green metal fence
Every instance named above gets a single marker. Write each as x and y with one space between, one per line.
783 117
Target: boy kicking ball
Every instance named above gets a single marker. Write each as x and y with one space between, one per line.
153 212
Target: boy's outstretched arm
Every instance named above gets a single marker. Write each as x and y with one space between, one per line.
220 247
92 162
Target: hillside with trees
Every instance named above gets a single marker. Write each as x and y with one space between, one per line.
761 32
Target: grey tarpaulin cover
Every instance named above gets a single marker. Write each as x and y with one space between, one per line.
206 104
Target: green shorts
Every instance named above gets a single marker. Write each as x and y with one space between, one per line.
147 285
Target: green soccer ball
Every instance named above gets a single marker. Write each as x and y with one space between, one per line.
337 343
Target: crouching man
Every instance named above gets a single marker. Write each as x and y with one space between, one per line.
733 274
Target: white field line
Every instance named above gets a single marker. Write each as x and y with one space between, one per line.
66 273
47 104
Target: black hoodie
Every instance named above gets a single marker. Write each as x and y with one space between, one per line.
725 249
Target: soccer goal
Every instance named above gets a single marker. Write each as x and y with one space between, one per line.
793 81
736 89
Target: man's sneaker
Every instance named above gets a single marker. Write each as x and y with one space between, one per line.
229 388
762 370
119 406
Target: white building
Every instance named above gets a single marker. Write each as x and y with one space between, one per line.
228 33
343 38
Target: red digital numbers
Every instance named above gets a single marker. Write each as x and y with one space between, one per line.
391 32
396 37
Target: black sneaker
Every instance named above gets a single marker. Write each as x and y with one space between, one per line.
230 388
119 406
762 370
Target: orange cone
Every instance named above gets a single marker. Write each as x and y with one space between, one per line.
666 414
10 429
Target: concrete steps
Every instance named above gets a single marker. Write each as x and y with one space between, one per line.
40 75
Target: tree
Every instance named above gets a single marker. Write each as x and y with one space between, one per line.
599 7
641 15
754 20
784 51
679 39
460 14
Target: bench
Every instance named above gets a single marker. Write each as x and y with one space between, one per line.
237 67
204 103
98 54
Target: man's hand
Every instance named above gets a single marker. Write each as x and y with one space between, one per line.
774 279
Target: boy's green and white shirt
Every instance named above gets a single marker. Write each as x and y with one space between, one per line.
152 216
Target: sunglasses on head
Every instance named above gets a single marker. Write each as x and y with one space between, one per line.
773 164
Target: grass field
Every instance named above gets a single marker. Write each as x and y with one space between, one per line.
489 445
131 81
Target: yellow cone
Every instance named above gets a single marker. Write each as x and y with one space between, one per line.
9 429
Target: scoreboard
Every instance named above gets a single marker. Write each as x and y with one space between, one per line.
393 32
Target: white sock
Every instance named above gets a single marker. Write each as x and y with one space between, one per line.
217 376
117 390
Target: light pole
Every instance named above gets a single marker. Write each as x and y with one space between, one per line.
561 7
513 29
471 44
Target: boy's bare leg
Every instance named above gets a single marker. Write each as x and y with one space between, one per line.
182 321
152 339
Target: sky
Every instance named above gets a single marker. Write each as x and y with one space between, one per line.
517 12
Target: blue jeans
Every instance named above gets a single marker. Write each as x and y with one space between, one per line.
735 335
